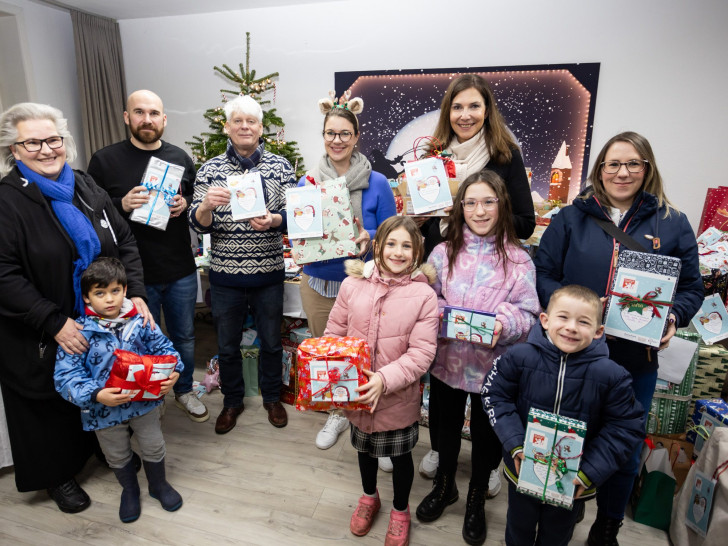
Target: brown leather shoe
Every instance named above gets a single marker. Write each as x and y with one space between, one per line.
227 419
277 415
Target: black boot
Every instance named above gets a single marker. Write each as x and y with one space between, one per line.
130 507
474 526
604 531
159 488
444 492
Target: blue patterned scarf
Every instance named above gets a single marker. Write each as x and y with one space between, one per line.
77 226
245 163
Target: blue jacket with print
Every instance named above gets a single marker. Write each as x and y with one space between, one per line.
79 377
585 385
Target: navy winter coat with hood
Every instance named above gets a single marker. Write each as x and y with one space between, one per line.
575 250
585 385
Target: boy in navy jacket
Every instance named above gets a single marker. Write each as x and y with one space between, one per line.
111 322
563 368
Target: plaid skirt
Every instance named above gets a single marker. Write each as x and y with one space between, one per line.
390 443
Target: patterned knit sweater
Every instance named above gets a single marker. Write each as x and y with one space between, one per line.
240 255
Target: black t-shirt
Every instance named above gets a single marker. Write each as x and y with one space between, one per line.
166 255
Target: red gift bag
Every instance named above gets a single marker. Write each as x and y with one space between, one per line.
435 152
715 209
140 375
329 369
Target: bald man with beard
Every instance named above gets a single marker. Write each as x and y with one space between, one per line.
170 275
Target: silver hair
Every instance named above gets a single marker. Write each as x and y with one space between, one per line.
243 105
25 111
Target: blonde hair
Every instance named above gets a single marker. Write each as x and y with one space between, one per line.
388 226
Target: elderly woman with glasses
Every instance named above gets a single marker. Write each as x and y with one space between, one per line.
372 202
625 196
55 222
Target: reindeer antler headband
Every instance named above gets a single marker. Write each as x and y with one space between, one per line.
355 105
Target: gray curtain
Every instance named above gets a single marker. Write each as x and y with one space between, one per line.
100 67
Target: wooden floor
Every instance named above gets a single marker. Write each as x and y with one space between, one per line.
254 485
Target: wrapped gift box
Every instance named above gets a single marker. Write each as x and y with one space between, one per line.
408 208
338 225
641 296
251 354
297 335
140 375
289 390
467 325
711 372
670 407
329 369
162 180
552 449
709 414
715 209
711 321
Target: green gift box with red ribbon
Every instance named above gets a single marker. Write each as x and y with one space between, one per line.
552 452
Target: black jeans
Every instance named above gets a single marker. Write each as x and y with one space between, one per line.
447 406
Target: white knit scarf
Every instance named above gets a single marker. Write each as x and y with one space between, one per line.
469 156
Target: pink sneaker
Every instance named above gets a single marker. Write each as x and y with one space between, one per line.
398 530
363 516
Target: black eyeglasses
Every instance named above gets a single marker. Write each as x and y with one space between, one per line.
633 166
344 136
34 145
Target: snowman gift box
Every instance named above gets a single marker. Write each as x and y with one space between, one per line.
708 415
552 452
321 222
162 181
427 190
641 296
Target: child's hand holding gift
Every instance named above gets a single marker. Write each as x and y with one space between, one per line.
517 460
112 397
167 385
374 388
579 489
497 329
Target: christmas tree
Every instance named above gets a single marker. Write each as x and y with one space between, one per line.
214 142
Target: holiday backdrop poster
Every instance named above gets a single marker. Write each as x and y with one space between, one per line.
543 105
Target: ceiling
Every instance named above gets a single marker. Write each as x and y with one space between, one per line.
140 9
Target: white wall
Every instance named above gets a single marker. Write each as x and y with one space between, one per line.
46 36
662 73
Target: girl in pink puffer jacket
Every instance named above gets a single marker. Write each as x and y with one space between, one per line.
389 303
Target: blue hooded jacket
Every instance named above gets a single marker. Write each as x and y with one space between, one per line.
79 377
585 385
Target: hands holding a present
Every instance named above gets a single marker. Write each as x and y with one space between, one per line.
517 460
137 196
373 388
264 223
363 239
112 397
179 206
671 329
216 196
167 385
578 489
497 329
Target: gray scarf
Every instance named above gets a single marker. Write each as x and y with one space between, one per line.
357 178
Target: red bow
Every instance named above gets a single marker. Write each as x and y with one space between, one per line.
334 376
648 299
142 377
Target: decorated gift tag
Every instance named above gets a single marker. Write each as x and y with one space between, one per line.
303 208
711 321
428 185
247 199
697 517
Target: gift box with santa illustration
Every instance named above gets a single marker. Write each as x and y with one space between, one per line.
141 376
466 324
337 223
247 199
329 370
641 296
552 452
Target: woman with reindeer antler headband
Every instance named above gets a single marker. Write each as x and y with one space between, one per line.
372 202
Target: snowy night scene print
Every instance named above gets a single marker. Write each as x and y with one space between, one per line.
544 106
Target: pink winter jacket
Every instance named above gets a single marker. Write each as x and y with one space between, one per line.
478 282
398 318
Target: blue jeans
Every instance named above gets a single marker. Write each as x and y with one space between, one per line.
613 495
229 311
177 300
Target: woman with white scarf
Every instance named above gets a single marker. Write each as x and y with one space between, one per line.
372 202
474 133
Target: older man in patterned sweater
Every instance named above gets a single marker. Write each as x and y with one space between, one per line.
246 265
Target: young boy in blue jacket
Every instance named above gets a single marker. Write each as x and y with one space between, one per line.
111 322
563 368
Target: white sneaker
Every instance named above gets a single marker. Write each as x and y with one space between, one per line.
385 464
335 425
191 405
428 464
494 484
